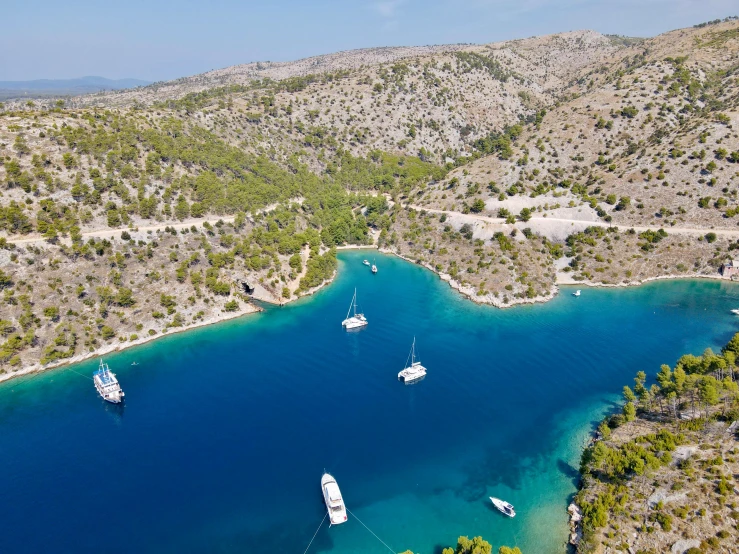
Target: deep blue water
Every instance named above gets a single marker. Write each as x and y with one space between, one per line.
227 429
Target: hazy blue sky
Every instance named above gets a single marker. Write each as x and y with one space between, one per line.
165 39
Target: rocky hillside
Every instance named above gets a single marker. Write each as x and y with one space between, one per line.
507 168
663 475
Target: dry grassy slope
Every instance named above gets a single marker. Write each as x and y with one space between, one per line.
550 57
630 156
685 491
568 144
430 90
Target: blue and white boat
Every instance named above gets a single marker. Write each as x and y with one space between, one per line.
107 385
503 507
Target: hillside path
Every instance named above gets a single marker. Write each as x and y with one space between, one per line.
566 224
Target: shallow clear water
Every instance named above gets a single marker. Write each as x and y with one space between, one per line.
227 429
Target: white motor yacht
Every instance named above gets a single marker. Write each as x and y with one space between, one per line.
357 320
107 385
735 312
503 506
415 370
374 268
332 498
576 293
365 262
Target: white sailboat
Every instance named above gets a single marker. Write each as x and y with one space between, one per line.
333 499
374 268
357 320
503 506
415 371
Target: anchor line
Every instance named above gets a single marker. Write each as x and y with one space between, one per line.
314 534
85 376
371 531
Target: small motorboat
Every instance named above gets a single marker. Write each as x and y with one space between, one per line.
735 312
576 293
503 507
134 363
365 262
374 268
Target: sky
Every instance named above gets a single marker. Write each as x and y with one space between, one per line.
160 40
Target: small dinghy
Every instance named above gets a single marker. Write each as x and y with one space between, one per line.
735 312
503 507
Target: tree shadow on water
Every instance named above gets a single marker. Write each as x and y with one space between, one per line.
489 473
572 473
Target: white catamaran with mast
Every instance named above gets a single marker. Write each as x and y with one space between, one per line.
415 371
357 320
107 385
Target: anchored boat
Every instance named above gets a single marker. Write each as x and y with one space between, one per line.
576 293
415 371
357 320
107 385
735 312
503 506
333 499
366 262
374 268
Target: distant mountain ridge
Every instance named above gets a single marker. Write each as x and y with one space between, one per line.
60 87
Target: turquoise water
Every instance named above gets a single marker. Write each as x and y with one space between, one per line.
227 429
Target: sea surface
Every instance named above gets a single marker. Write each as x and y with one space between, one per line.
227 429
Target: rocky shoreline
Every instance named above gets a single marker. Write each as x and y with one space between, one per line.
466 291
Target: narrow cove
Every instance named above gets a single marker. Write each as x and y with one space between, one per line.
227 429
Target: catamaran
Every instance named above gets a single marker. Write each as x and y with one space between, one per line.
357 320
332 498
415 371
107 385
503 506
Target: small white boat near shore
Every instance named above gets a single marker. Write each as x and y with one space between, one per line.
107 384
415 370
735 312
365 262
503 507
357 320
576 293
333 499
374 268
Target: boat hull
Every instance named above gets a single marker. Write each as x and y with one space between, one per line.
503 507
334 501
354 323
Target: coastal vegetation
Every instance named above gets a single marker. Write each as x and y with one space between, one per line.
662 471
615 165
476 545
